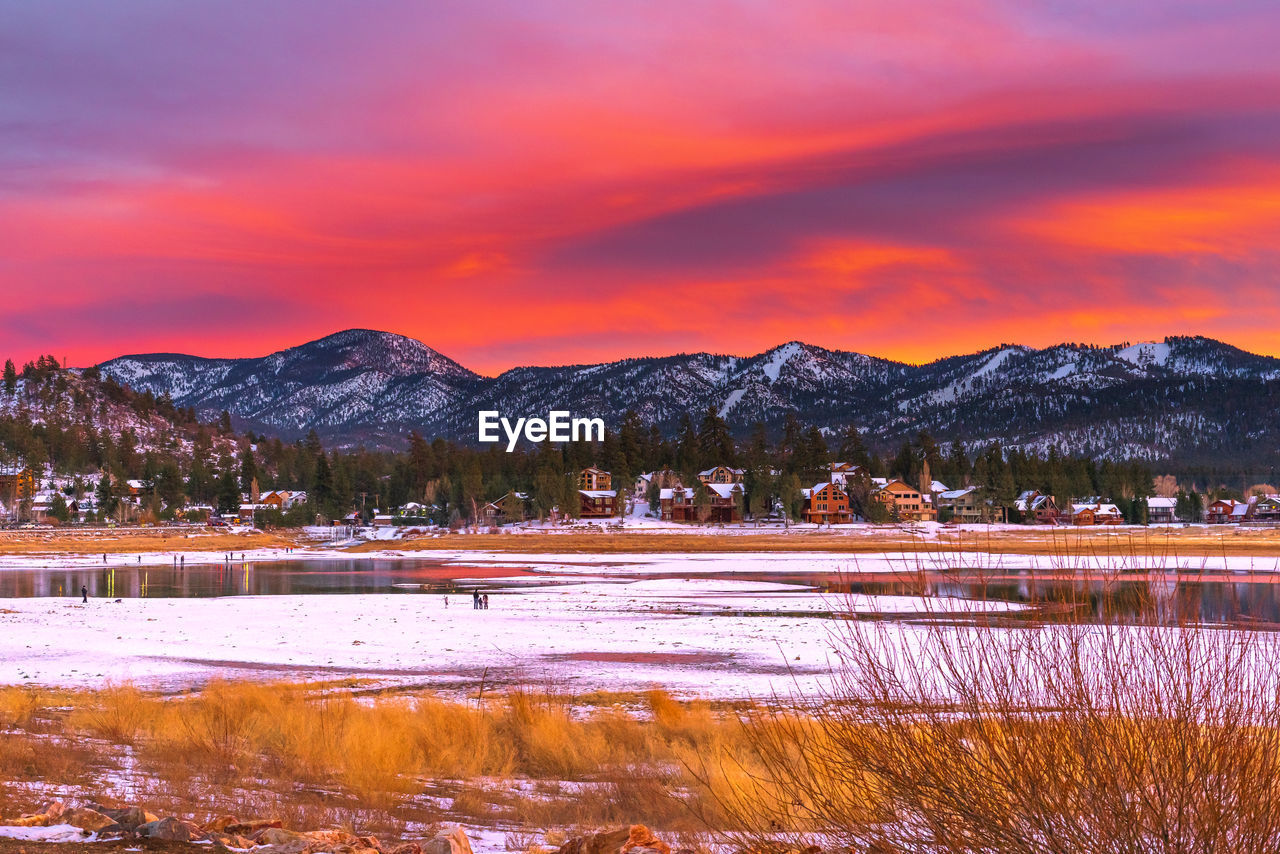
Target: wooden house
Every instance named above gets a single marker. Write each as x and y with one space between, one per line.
1037 507
593 479
825 503
1094 513
1161 510
597 503
721 474
905 502
675 504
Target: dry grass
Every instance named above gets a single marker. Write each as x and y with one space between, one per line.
323 755
134 540
1208 542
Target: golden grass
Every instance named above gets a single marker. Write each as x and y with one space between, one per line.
134 540
1207 542
323 753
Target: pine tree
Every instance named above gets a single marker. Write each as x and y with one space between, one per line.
10 377
852 449
715 444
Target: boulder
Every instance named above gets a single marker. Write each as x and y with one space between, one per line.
88 819
251 827
407 848
449 841
604 842
170 830
641 840
221 823
281 841
132 818
51 815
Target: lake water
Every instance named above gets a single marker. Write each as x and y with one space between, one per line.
1215 597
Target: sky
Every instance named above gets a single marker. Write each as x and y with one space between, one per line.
547 182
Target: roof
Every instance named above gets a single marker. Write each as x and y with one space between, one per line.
938 486
597 493
724 490
953 494
669 492
1160 501
1099 509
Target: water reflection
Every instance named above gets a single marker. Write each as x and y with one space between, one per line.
1215 598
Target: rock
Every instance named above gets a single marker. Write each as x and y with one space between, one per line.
281 841
641 840
227 840
54 811
249 828
169 830
407 848
132 818
605 842
221 823
451 841
88 819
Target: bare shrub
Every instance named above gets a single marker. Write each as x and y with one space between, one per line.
1156 734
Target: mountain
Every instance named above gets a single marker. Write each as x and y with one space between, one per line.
1179 398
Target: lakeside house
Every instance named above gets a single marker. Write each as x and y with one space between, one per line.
593 479
1037 507
1094 513
1161 510
825 503
968 507
905 502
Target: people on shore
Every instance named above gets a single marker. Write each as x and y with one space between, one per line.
84 595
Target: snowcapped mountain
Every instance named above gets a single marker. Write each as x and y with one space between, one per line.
1154 400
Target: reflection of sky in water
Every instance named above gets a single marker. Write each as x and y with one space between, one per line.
1257 598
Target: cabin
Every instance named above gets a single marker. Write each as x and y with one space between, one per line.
1095 513
17 483
1037 508
1267 510
593 479
905 502
842 473
510 508
136 488
825 503
727 501
1222 511
42 507
1161 510
597 503
282 499
721 474
968 507
675 504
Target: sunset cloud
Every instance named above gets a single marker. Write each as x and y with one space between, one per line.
563 181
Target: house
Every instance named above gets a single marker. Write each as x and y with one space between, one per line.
1161 510
1222 511
1095 513
1243 512
507 509
593 479
842 473
136 488
1267 510
17 484
597 503
663 477
248 509
721 474
968 507
675 504
727 501
905 502
42 506
383 520
1037 507
825 503
282 499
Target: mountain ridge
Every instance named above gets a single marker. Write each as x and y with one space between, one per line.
1157 399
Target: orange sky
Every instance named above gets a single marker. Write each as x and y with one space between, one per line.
568 182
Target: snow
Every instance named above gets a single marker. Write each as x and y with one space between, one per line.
732 400
1145 354
778 358
597 628
52 833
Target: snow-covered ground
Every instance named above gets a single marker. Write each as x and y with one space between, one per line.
712 637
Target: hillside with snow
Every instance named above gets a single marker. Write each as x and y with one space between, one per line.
1176 398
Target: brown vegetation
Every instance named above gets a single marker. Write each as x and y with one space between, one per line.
134 540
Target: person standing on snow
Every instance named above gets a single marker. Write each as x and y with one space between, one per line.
84 595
